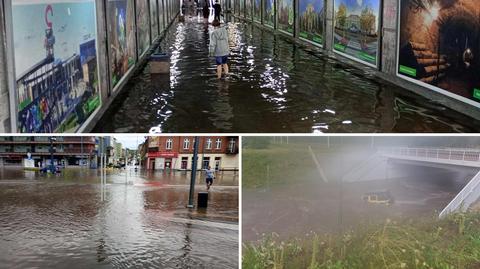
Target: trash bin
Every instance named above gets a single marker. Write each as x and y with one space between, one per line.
202 199
160 63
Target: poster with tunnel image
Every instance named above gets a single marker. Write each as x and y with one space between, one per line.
143 26
286 15
356 30
154 19
257 10
269 12
121 38
439 46
56 76
312 20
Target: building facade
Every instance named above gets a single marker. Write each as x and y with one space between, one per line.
68 151
176 153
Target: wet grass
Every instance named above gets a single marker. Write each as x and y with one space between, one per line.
450 243
275 165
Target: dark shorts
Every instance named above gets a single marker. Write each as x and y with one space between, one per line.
221 60
210 181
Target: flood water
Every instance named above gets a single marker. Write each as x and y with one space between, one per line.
72 221
305 205
276 86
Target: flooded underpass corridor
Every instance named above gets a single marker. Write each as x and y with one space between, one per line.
309 205
72 221
275 86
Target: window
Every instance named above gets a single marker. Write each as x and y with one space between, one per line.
169 144
231 145
184 163
206 162
186 143
209 144
218 143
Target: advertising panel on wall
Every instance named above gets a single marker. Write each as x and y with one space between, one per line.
257 10
286 15
56 73
439 46
161 11
312 20
121 38
269 12
242 8
154 19
356 33
248 9
143 26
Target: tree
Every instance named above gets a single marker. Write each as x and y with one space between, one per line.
341 16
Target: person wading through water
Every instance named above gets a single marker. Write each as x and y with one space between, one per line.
210 176
219 48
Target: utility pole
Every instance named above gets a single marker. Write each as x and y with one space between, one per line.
194 172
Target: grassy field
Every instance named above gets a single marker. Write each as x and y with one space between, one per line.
444 244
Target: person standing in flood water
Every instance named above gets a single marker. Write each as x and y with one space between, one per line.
219 47
206 13
210 176
218 10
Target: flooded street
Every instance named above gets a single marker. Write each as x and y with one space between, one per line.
311 205
276 86
72 221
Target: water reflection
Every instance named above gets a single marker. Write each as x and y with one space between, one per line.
71 220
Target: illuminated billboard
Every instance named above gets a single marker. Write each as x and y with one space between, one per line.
356 29
55 64
269 12
439 46
143 26
312 20
286 15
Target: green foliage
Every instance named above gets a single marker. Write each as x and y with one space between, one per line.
444 244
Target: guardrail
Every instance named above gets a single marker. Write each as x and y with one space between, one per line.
468 195
468 155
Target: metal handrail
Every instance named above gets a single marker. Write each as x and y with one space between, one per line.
468 155
459 201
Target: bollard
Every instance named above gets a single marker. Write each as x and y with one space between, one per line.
160 63
202 199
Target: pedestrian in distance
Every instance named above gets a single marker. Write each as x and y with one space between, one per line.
206 13
210 176
217 9
219 48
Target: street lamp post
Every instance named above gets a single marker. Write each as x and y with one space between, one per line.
194 173
52 150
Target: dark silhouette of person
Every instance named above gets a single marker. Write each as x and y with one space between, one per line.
218 9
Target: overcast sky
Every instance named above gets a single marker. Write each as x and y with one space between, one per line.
130 141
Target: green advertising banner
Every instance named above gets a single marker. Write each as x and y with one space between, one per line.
439 46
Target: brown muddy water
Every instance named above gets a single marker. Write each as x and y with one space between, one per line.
310 205
72 221
276 86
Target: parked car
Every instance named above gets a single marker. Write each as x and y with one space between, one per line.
378 197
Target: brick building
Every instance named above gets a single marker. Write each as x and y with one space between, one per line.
220 152
69 150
